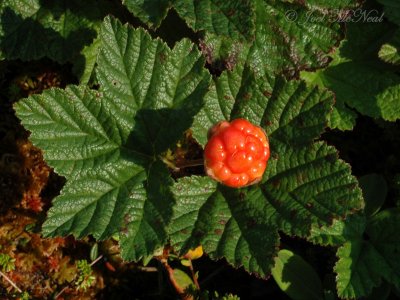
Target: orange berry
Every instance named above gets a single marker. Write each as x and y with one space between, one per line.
215 149
236 153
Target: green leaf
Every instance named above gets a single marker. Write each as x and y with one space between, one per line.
389 52
362 264
7 263
340 231
224 224
145 224
326 4
107 142
94 252
281 36
296 277
184 82
298 172
224 54
84 66
383 231
289 37
290 112
220 100
359 79
191 194
151 12
288 41
64 31
342 117
371 91
227 18
374 189
57 30
359 269
182 279
305 185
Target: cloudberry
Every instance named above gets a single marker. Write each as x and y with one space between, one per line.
236 153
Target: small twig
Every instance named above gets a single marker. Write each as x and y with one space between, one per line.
186 164
147 269
96 260
191 163
178 289
194 276
11 282
61 292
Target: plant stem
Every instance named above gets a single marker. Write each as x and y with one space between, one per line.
11 282
178 289
96 260
61 292
177 166
194 276
191 163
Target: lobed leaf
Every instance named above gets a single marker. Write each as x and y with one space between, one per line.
340 231
84 66
224 224
56 30
389 52
64 31
305 185
383 231
280 36
191 194
288 41
359 269
290 112
308 187
359 79
151 12
229 18
363 263
107 142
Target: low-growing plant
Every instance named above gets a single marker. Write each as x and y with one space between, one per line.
6 262
85 275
